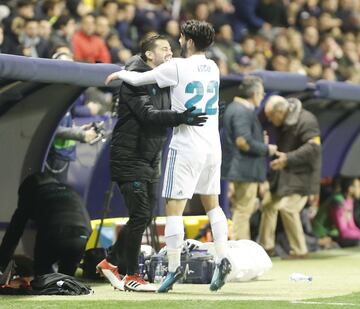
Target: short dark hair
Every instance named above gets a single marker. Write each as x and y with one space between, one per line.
149 43
62 21
249 85
22 3
201 32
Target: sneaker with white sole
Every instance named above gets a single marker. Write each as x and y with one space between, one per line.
111 273
170 279
220 274
136 283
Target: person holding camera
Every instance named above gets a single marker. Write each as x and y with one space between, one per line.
63 147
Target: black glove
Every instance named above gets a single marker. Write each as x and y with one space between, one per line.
222 107
188 118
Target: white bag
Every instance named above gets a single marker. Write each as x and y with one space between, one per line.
248 259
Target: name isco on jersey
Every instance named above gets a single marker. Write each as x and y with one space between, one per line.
204 68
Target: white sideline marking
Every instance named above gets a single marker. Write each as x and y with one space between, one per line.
324 303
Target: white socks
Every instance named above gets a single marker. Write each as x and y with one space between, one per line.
219 230
174 238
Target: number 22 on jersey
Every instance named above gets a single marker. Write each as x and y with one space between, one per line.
197 88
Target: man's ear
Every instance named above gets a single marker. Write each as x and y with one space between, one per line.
149 55
190 43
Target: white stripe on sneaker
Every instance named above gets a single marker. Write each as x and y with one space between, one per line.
115 282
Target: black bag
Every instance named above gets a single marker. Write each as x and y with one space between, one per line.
91 258
199 266
58 284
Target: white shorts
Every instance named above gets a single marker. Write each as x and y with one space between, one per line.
188 173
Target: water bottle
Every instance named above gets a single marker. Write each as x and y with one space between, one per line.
300 277
159 272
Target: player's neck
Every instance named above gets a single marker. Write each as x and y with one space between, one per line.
195 52
150 64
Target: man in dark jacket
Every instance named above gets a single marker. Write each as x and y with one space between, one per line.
295 172
62 223
244 153
137 141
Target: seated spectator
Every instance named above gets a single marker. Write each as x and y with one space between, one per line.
4 47
172 32
32 45
335 211
328 73
313 69
119 54
62 223
226 49
64 29
328 23
88 47
279 62
127 32
322 225
342 211
295 66
350 62
45 29
245 19
273 12
52 9
77 9
311 44
199 10
110 36
308 14
331 51
296 43
109 8
24 9
281 43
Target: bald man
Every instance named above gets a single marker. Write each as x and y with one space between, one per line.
295 173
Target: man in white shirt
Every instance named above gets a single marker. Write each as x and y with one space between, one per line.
194 159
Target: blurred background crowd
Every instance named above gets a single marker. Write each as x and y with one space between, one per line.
319 38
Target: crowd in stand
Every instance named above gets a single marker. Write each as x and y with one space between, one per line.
319 38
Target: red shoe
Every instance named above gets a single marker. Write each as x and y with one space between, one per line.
137 284
111 273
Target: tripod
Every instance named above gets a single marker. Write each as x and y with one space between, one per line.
151 234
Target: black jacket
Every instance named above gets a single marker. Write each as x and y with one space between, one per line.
301 143
140 133
51 206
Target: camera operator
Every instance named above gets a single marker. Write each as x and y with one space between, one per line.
63 148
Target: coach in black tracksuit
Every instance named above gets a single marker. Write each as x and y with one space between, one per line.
61 220
137 141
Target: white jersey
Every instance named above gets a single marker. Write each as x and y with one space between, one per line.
193 81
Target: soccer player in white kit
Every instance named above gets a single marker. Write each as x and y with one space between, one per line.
194 159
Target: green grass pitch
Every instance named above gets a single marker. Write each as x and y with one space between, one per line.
336 283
